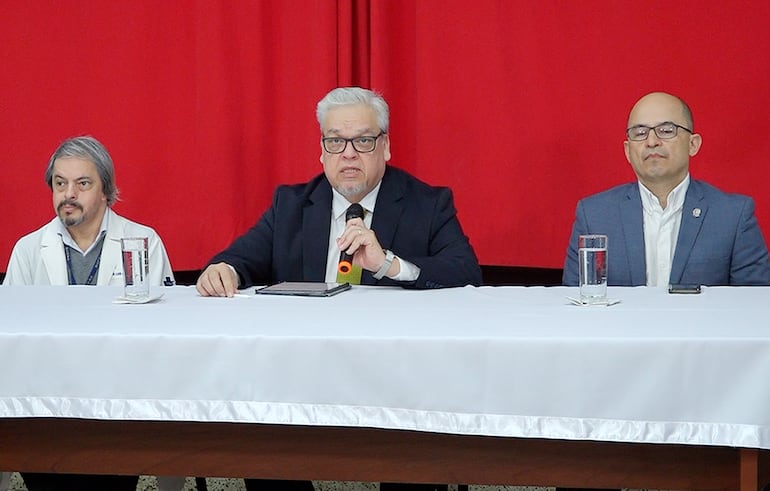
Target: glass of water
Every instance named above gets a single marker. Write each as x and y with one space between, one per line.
592 261
136 268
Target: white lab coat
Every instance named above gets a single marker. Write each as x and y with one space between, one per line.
38 258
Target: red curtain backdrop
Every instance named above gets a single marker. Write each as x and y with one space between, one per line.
519 106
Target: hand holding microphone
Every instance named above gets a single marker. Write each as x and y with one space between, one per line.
371 255
346 260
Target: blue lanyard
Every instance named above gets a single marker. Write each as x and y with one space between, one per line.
71 275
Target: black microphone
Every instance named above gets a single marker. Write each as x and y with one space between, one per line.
346 260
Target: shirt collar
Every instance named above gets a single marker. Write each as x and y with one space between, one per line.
340 204
674 200
67 239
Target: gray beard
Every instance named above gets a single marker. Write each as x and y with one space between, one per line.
351 191
68 221
72 222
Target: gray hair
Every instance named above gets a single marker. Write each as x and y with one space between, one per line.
87 148
350 96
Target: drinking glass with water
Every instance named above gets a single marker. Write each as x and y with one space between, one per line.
592 261
136 268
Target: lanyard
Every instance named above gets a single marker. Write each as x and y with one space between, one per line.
71 275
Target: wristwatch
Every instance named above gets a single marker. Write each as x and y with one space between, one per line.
389 256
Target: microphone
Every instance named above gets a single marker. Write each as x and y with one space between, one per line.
346 260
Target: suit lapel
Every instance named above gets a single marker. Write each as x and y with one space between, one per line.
633 233
694 212
387 214
316 224
388 210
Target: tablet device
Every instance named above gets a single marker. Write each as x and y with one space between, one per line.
684 288
304 289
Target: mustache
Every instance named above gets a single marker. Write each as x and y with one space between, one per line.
69 202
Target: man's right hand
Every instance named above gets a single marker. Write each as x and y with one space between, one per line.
217 280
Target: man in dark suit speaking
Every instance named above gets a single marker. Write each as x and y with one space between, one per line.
667 228
409 234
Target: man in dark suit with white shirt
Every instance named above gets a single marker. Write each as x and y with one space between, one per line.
409 226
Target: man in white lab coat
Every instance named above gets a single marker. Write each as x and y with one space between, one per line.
81 245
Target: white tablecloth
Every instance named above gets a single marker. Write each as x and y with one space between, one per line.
502 361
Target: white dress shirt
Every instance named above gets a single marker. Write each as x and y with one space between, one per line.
661 230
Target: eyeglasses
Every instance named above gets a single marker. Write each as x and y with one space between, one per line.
664 131
361 144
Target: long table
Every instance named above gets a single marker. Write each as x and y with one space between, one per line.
491 385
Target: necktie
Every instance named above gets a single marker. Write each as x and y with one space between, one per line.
353 276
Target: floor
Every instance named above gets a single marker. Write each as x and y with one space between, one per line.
149 483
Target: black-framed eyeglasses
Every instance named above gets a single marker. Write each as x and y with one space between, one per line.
664 131
361 144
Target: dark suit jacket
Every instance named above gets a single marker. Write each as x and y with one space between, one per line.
416 221
719 245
